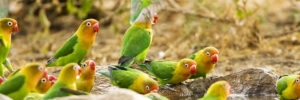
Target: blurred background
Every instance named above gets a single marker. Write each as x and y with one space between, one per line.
248 33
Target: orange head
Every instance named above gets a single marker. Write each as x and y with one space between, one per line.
190 65
150 86
211 54
11 25
297 84
89 65
90 26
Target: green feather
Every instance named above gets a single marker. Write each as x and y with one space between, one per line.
56 92
136 41
67 48
13 84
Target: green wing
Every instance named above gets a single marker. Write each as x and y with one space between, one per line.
192 56
162 69
67 48
135 41
124 78
282 84
55 91
13 84
2 42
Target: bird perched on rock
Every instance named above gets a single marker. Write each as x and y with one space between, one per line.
132 79
66 79
217 91
170 72
206 60
78 46
23 82
7 27
288 87
86 80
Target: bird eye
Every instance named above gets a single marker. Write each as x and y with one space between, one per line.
9 23
43 80
147 87
88 24
186 65
297 80
41 68
84 65
207 53
75 67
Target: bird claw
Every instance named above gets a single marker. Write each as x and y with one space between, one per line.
169 88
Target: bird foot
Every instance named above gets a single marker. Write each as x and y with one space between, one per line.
169 88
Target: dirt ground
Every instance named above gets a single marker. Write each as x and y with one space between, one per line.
266 36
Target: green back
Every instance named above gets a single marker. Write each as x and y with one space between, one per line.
135 41
124 78
162 69
282 83
13 84
55 91
67 48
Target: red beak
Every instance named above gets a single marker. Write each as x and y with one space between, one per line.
51 78
79 71
92 65
193 69
214 58
96 27
154 91
15 29
155 19
1 80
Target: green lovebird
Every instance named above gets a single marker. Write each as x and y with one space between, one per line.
86 80
77 47
217 91
66 79
170 72
288 87
132 79
7 27
138 37
206 60
23 82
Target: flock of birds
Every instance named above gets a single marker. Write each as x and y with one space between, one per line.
33 82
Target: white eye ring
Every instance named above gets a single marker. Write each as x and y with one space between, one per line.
75 67
43 80
207 53
186 65
84 65
41 68
297 80
9 23
147 87
88 24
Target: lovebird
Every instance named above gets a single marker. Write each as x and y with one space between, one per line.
217 91
23 82
137 38
132 79
78 46
66 79
86 80
45 83
206 60
288 87
7 27
170 72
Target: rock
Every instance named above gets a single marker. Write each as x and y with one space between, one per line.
116 94
251 82
4 97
